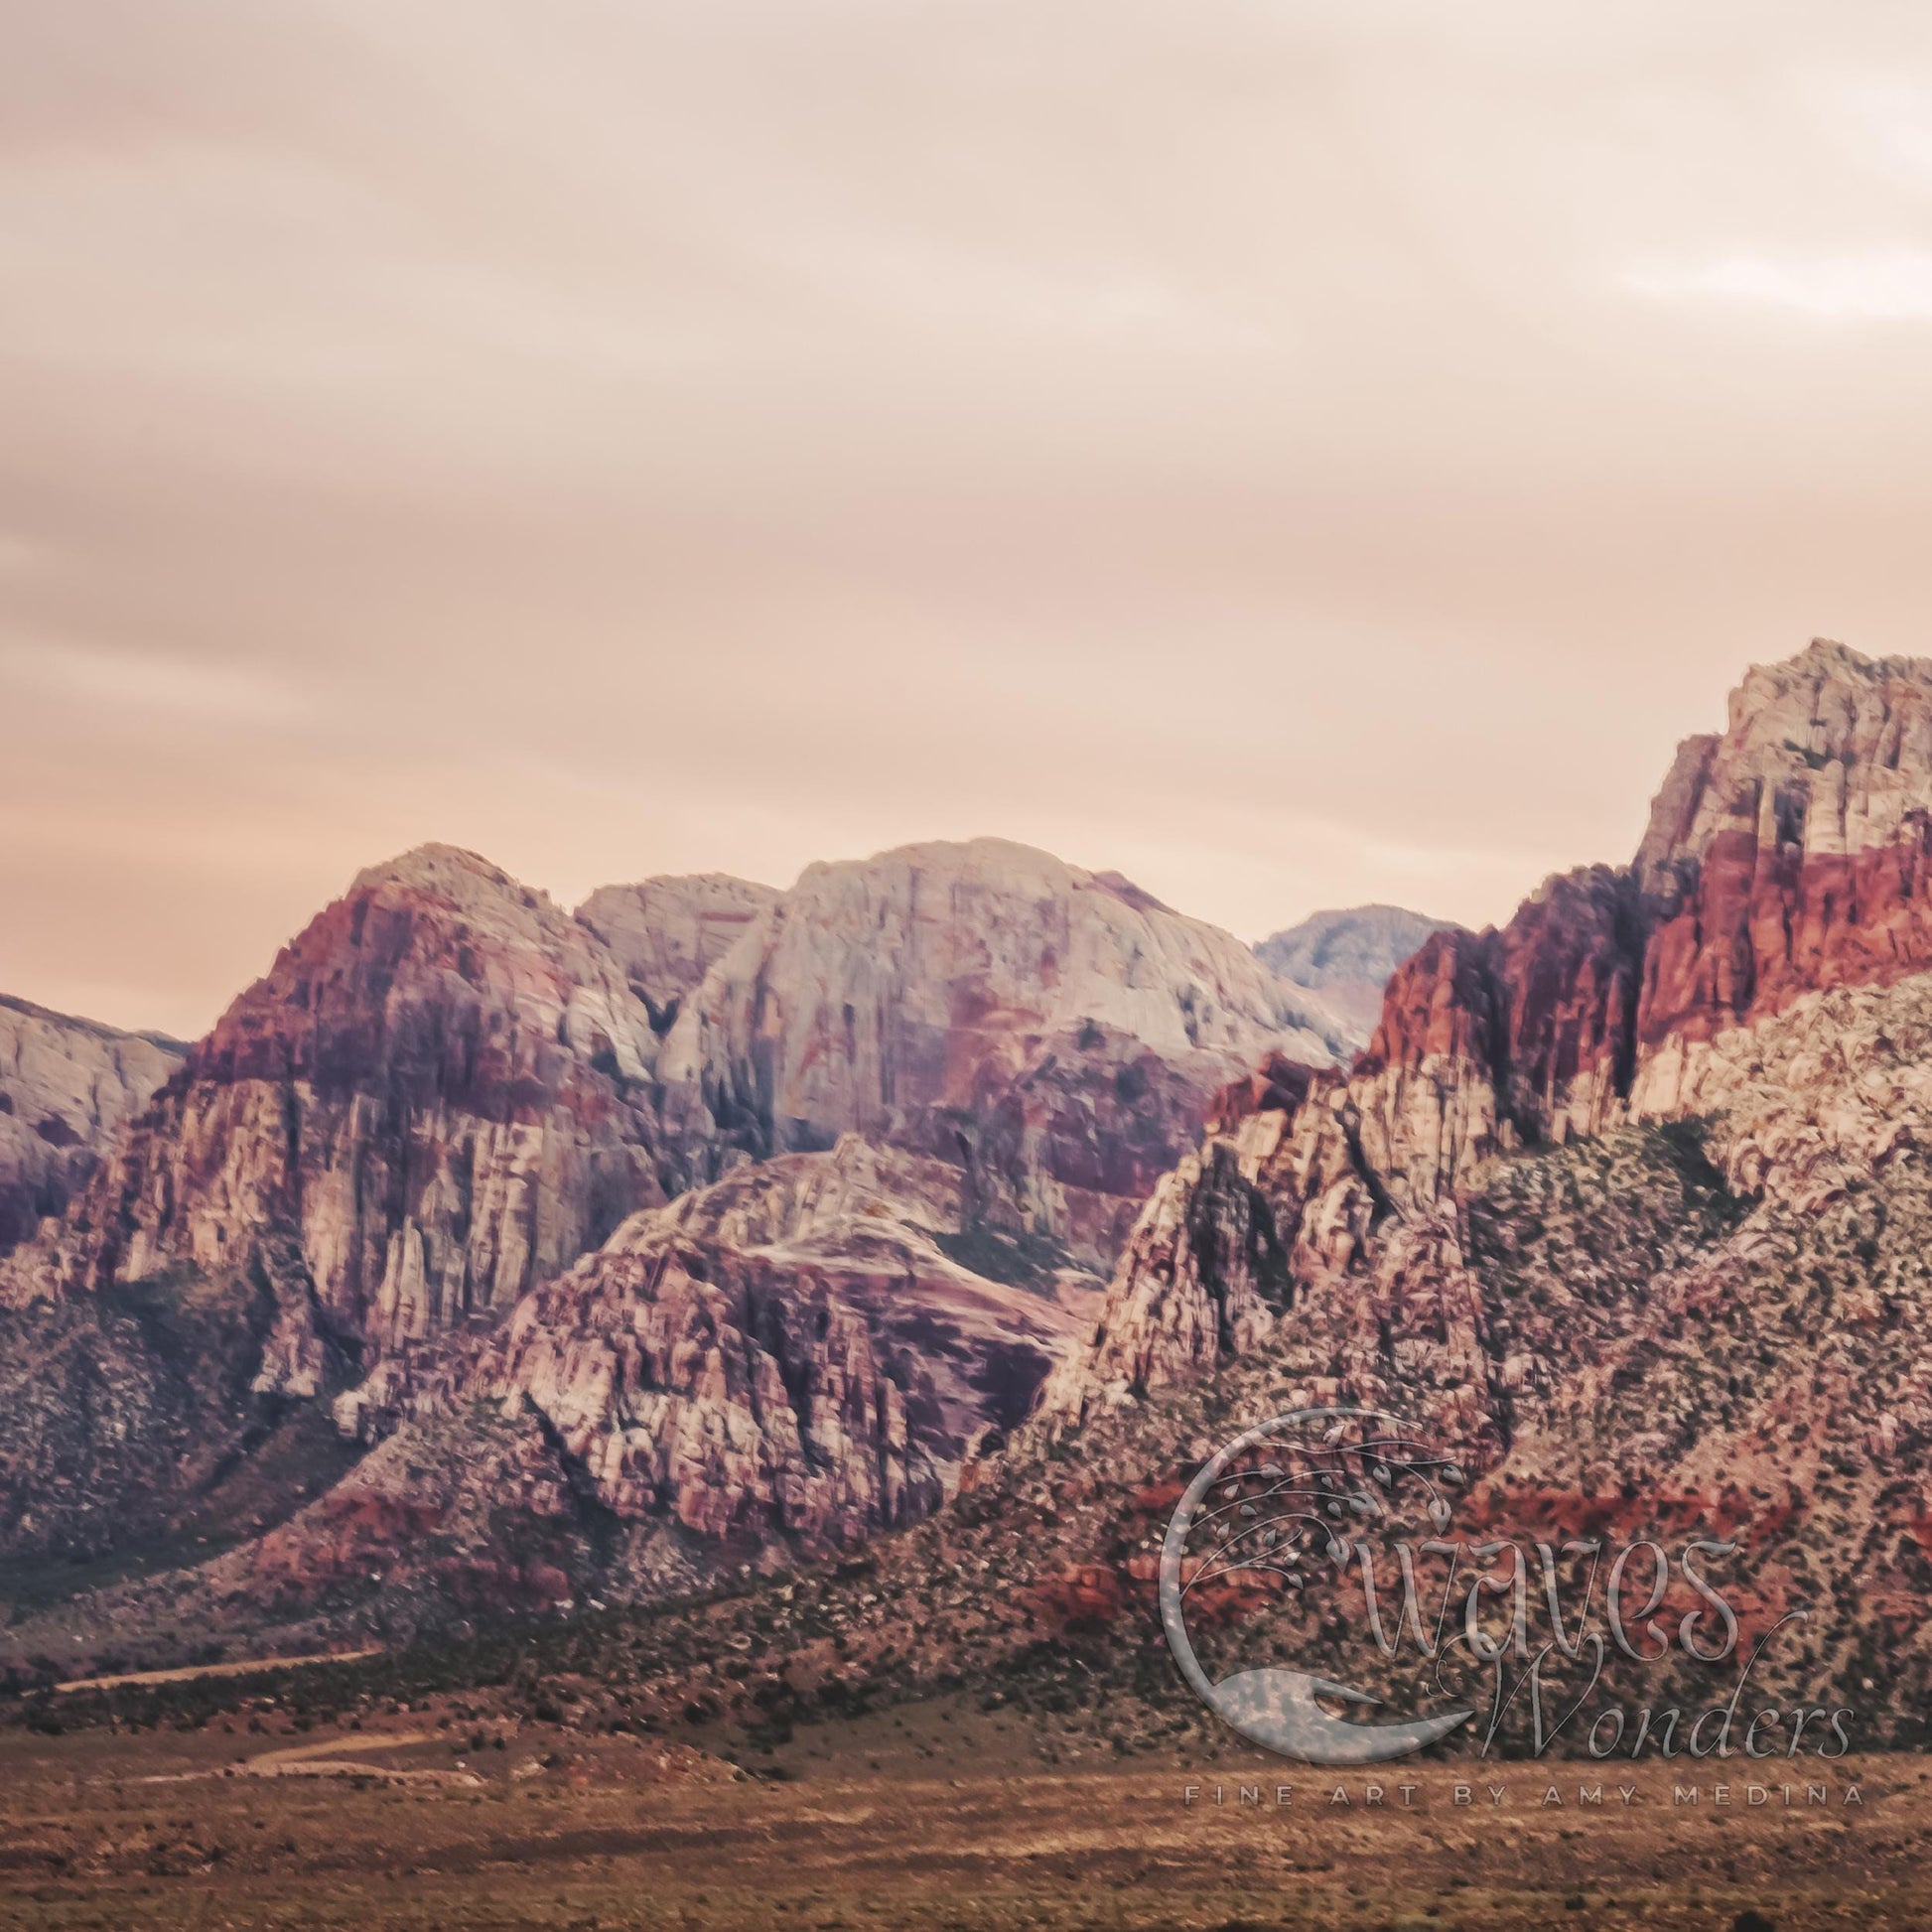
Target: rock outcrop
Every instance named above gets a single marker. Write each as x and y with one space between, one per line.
66 1087
1790 853
1056 1031
1830 752
774 1366
781 1363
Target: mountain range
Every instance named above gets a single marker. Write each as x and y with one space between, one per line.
1625 1201
481 1249
1626 1205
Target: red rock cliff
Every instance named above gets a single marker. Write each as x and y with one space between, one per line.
1790 855
435 1098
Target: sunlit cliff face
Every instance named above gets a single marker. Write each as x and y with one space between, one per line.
1297 455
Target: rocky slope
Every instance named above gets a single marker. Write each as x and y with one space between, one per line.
1668 1328
1713 1322
66 1087
1655 1346
132 1435
1347 956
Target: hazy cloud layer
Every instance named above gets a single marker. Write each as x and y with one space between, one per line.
1294 454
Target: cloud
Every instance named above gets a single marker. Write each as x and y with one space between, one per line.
1211 441
1892 286
148 681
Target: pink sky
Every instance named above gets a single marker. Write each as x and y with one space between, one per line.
1296 454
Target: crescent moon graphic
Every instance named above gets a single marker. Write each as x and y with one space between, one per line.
1277 1710
1275 1706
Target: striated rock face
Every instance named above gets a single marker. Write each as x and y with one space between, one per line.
1495 1041
778 1365
1789 856
1056 1031
1790 853
1829 752
1754 928
875 1236
978 1317
66 1087
1349 955
668 933
743 1404
437 1097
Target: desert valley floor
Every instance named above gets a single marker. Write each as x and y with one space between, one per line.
930 1816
